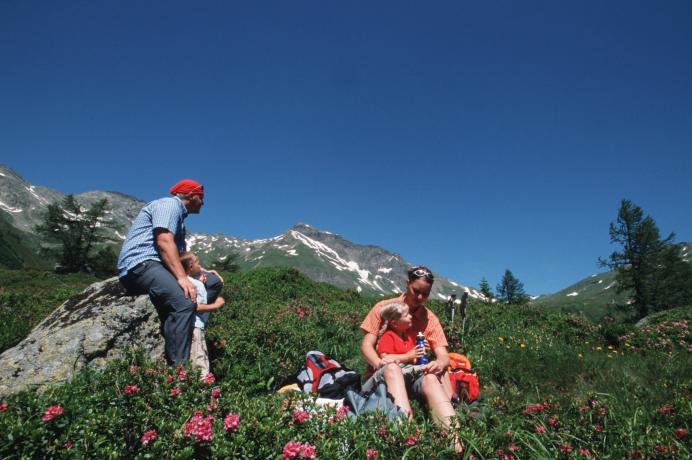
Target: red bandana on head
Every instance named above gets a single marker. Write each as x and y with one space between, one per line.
188 186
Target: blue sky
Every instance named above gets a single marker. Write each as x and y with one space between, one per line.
469 136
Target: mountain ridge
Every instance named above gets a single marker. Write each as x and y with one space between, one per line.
322 255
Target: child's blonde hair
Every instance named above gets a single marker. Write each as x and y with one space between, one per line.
392 311
186 259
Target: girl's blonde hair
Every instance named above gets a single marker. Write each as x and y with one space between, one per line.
392 311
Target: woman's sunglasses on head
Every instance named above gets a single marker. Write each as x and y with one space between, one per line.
421 273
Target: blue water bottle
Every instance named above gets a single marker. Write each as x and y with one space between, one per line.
420 343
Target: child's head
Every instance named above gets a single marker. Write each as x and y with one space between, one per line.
395 316
190 263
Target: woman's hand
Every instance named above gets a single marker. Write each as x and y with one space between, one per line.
386 359
434 367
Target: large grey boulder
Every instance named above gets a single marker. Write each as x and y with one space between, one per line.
95 326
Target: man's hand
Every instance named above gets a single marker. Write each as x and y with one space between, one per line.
188 288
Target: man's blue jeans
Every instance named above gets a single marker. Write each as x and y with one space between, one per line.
176 312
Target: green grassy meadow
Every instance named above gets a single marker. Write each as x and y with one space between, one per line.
554 385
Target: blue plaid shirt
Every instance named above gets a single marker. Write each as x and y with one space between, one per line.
140 245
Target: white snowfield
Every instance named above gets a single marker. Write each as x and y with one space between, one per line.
572 294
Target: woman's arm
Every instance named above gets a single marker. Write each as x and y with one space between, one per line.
205 307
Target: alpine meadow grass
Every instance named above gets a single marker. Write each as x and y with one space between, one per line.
553 385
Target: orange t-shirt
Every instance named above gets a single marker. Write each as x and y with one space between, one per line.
423 320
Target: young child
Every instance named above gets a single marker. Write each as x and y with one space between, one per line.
395 338
198 348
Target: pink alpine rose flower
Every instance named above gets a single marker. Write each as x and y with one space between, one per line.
308 451
209 379
200 427
300 416
231 422
371 454
131 389
411 441
216 393
148 437
4 406
52 412
176 391
291 450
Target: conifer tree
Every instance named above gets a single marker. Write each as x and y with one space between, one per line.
72 233
649 267
511 290
486 290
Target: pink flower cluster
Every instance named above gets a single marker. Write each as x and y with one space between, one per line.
341 413
231 422
176 391
200 427
295 449
131 389
371 454
209 379
133 369
566 448
4 406
148 437
215 393
534 408
52 412
666 409
300 416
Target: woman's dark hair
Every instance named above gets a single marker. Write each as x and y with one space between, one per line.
421 271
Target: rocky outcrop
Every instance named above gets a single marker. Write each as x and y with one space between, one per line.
95 326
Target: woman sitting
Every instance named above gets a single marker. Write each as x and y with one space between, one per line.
432 385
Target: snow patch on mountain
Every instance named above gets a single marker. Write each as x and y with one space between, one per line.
40 199
384 270
335 259
572 294
9 208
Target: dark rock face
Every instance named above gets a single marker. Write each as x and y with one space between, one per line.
89 329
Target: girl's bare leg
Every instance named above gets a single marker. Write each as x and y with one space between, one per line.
397 387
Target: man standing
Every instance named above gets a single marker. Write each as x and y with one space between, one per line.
149 263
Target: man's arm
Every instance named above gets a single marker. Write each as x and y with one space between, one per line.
169 253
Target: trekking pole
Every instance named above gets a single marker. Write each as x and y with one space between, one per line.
462 309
